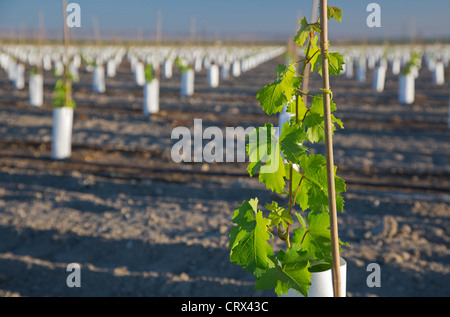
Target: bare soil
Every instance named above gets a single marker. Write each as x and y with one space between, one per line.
141 225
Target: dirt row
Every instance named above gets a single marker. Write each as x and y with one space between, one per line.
141 225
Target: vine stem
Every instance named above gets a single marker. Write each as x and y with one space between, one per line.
329 150
307 67
276 233
298 187
297 95
288 243
303 238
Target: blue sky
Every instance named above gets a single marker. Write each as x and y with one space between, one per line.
430 17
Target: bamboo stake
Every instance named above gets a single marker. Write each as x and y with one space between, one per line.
40 38
158 43
98 39
41 27
192 38
66 54
158 28
329 150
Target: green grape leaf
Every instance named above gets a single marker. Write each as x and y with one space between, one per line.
340 187
318 197
334 13
292 108
182 65
305 30
300 189
264 147
339 203
314 120
308 183
290 142
314 52
149 73
302 198
248 239
313 190
316 239
335 62
272 97
316 127
292 274
278 215
273 178
315 181
59 99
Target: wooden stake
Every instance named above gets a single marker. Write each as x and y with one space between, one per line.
41 32
158 43
329 149
158 28
97 36
192 38
66 54
40 38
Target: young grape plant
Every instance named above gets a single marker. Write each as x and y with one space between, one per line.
286 167
63 93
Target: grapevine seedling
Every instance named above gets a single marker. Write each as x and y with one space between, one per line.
63 87
295 173
180 63
149 73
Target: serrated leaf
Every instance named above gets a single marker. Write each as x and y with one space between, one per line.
340 188
278 215
334 13
304 31
313 53
318 198
300 193
339 203
312 163
317 105
290 142
313 190
253 168
316 239
314 120
292 274
272 97
339 182
335 62
293 105
273 178
316 176
264 153
248 240
244 213
316 127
